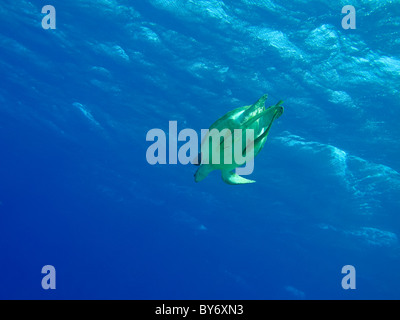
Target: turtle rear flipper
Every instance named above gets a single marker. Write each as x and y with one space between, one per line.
232 178
202 172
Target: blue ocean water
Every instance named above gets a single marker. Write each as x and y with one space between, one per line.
76 190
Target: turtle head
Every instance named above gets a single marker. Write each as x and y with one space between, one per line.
274 112
270 115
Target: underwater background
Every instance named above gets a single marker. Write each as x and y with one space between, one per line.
76 190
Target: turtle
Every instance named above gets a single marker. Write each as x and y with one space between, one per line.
231 141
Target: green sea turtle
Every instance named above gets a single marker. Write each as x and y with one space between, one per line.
254 117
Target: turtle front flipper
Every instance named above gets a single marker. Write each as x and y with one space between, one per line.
259 104
253 109
247 122
232 178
